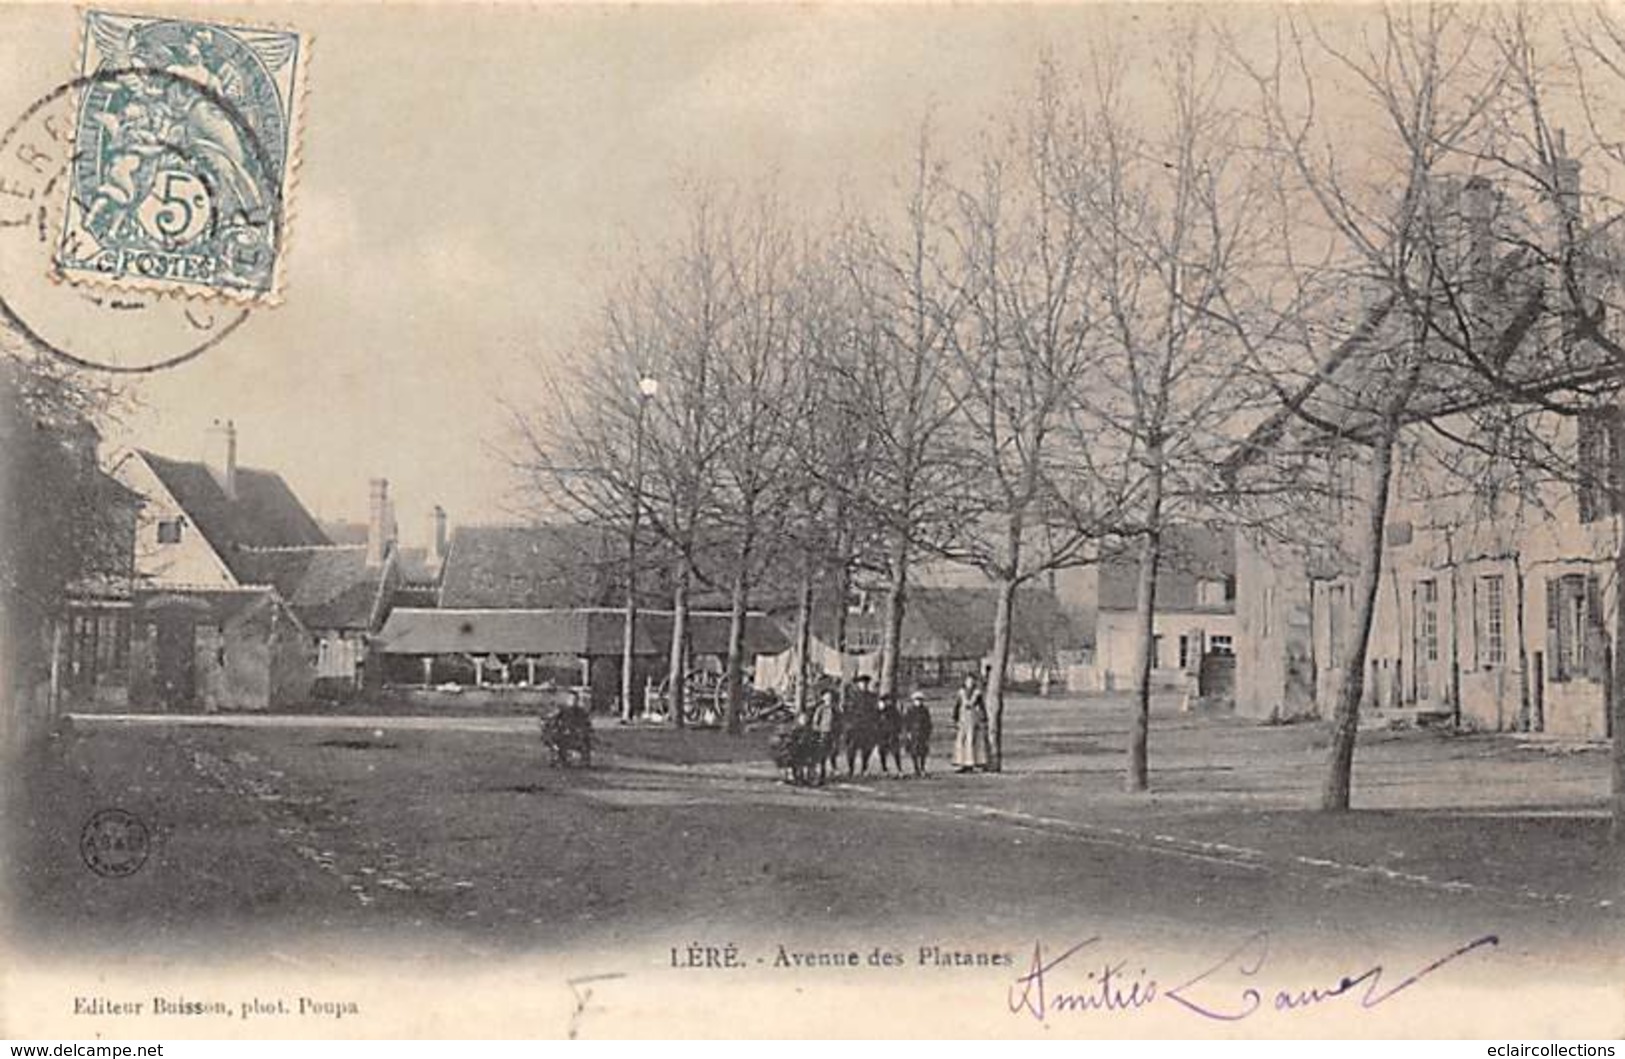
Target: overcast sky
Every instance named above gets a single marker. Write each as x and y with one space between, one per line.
470 174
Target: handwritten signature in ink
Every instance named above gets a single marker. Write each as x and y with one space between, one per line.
1229 990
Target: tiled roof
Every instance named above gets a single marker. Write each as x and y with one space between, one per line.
574 632
957 623
344 532
708 632
530 567
1190 555
264 514
211 605
329 587
414 566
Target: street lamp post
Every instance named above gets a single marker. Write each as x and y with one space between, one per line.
647 388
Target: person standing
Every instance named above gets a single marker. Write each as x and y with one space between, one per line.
826 724
970 738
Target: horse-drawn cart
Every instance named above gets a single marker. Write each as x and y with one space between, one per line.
705 702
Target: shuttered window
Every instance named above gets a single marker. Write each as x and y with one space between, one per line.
1576 637
1597 477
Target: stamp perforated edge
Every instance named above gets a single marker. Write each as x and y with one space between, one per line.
298 101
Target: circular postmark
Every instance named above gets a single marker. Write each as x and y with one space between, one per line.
129 311
115 843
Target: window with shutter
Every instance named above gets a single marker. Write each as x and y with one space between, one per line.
1555 653
1596 639
1596 478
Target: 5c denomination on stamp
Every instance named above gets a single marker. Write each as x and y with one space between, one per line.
185 140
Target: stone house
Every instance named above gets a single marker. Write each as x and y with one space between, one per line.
1495 606
1195 619
242 602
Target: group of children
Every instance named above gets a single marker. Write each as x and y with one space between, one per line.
859 722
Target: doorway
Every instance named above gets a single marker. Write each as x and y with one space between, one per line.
176 665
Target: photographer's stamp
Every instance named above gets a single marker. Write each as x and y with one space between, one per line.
115 843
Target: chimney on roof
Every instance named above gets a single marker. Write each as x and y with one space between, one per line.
220 455
1566 175
437 537
1566 188
380 522
1478 212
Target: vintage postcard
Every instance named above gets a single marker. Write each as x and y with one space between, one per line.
823 520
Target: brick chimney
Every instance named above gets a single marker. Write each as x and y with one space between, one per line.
437 537
1566 177
1478 215
1566 188
220 455
380 522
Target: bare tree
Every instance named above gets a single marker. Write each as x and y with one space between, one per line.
1468 229
893 383
603 452
66 528
754 387
1176 225
1033 498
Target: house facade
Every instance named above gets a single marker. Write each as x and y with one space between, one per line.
1496 598
947 633
242 602
1195 619
1495 612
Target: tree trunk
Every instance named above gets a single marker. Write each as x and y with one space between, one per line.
843 590
1616 713
677 671
1616 703
1145 634
891 648
1346 720
1145 631
1455 638
1522 723
804 612
58 649
1003 623
630 706
736 645
629 639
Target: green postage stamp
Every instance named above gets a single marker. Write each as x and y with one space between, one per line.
186 139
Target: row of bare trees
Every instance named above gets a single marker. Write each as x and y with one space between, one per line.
1156 291
1018 360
